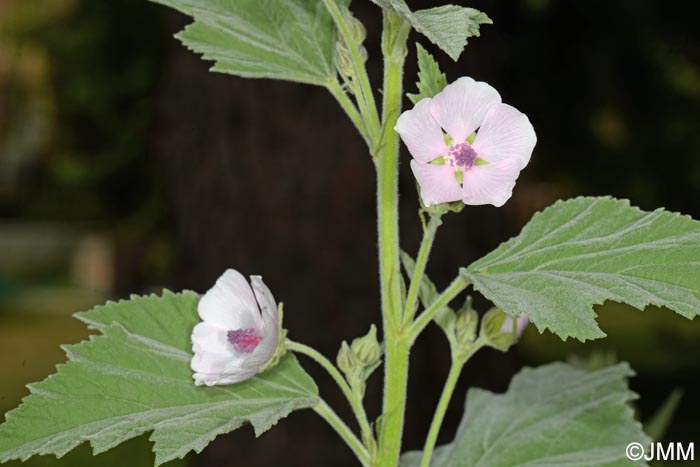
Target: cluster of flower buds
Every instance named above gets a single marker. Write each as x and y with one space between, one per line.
343 57
359 359
497 330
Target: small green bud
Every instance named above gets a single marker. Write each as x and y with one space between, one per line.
366 349
346 359
357 29
492 331
465 326
343 60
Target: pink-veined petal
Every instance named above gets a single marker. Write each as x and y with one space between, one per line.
270 316
491 183
230 304
438 183
461 107
421 133
506 133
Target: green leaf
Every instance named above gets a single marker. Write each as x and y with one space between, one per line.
135 378
582 252
290 40
447 26
430 79
555 415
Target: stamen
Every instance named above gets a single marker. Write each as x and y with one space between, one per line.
244 340
462 155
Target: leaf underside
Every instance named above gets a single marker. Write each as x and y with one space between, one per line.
135 378
447 26
582 252
551 416
292 40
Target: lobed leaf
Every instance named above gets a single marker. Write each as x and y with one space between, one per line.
582 252
291 40
554 415
135 378
431 80
447 26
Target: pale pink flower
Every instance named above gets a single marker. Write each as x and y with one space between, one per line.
234 340
476 170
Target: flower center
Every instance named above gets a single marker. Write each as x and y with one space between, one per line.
462 155
244 340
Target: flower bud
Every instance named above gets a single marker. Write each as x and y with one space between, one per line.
357 29
343 60
366 349
492 331
465 326
346 359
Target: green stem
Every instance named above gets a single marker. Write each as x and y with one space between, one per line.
454 289
458 361
352 397
421 262
342 429
396 345
439 416
365 96
349 107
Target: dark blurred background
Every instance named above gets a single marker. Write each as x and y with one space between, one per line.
126 167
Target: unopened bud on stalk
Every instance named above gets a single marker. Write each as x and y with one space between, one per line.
357 29
465 326
366 348
343 60
493 332
346 359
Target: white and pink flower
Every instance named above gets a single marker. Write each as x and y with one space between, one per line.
234 340
466 144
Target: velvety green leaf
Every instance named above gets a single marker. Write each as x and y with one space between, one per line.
430 79
135 378
290 40
555 415
447 26
582 252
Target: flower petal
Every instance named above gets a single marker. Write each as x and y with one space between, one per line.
230 304
207 337
270 316
461 107
505 134
213 368
421 132
438 183
491 183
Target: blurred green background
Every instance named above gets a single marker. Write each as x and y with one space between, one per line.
126 167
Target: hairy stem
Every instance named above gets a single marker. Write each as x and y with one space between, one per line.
352 397
396 345
458 361
454 289
421 262
342 429
363 88
350 109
